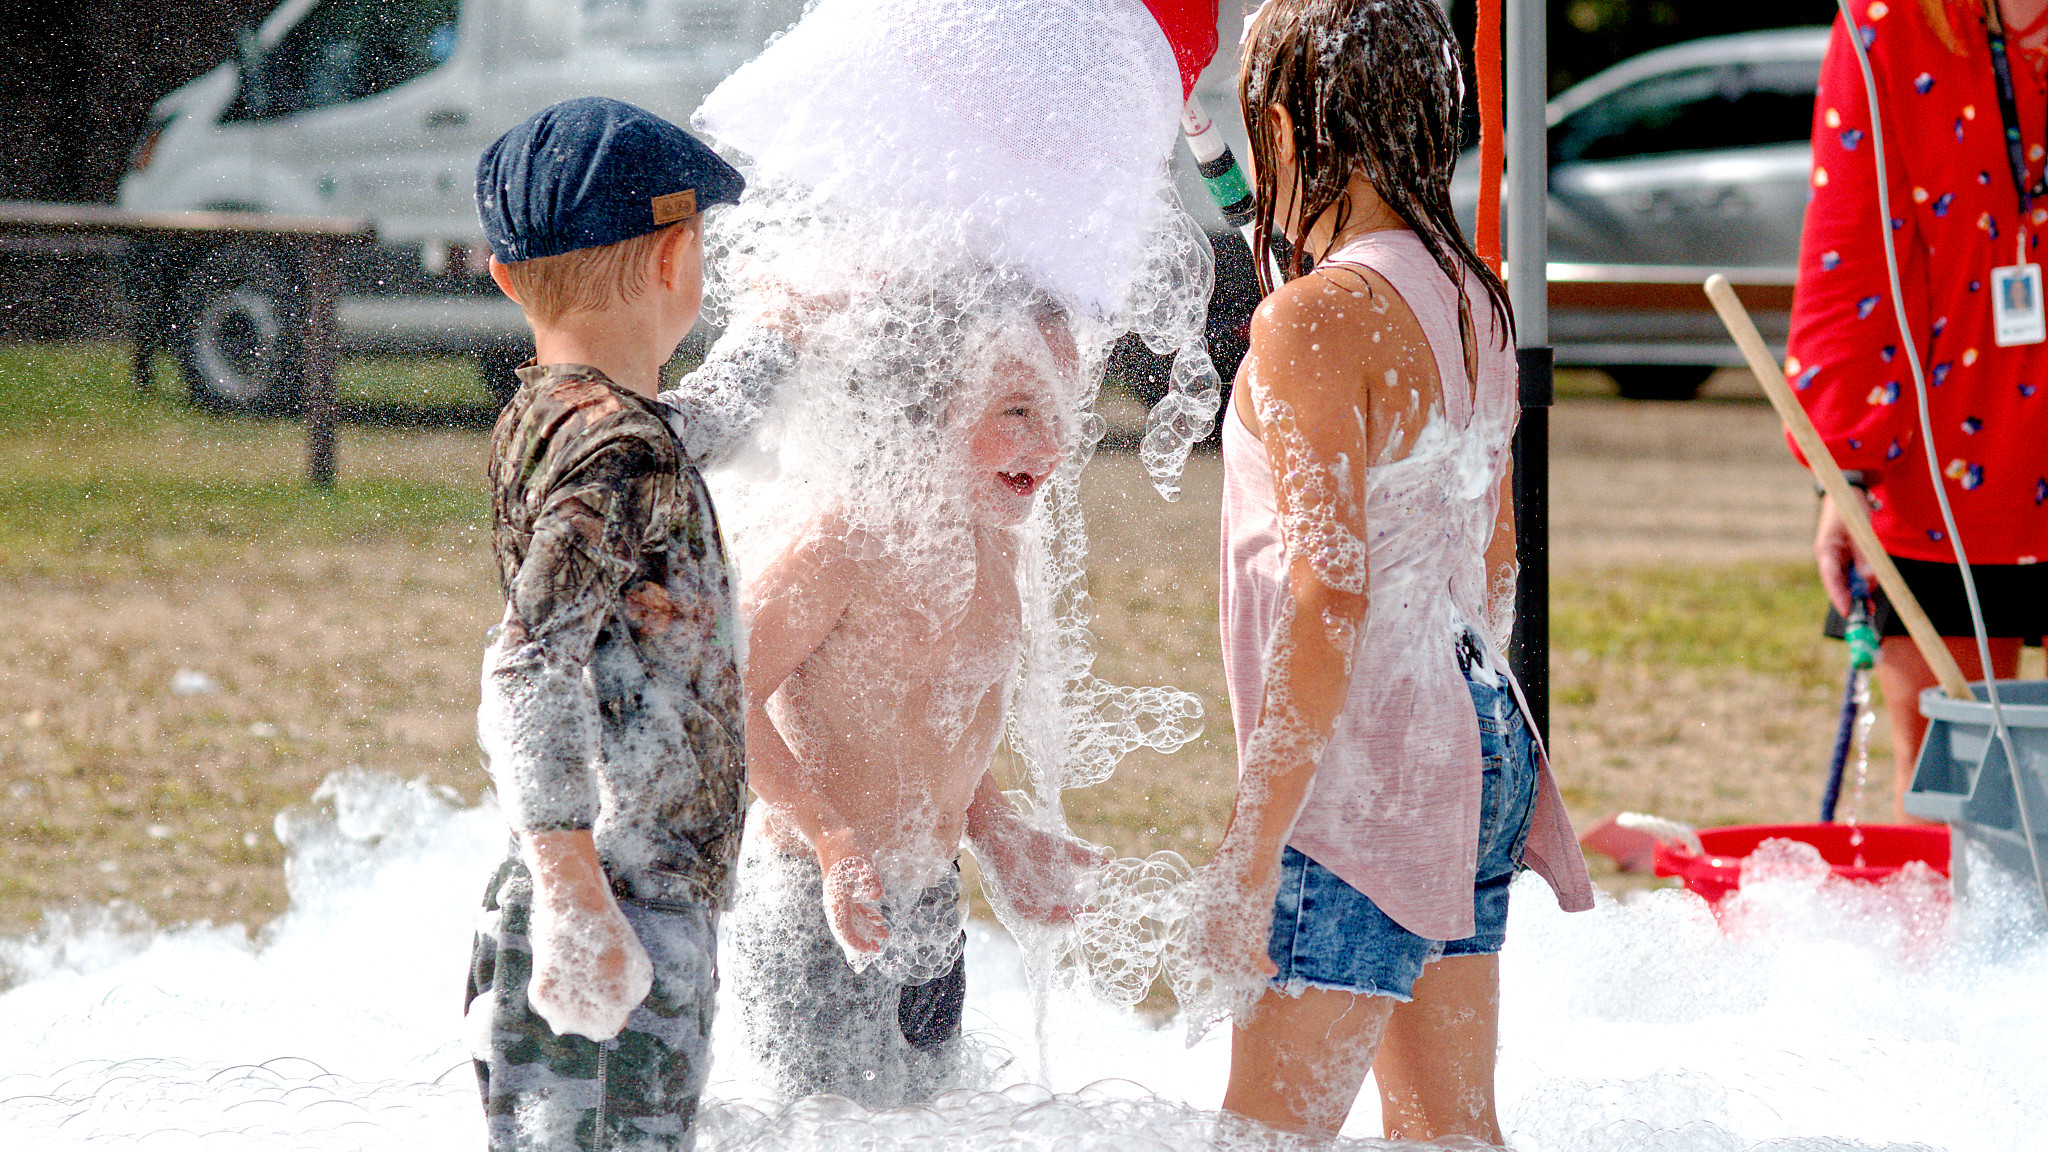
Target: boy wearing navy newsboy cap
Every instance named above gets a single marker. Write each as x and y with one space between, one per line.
591 172
612 714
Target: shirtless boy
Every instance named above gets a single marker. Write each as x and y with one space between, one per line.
875 704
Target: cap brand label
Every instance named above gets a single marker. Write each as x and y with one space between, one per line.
675 206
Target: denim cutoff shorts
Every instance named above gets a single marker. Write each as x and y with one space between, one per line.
1327 934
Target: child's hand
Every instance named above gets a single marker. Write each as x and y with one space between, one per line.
1038 872
853 896
773 302
1230 922
589 969
1217 962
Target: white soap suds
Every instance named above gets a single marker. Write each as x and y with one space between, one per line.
1816 1017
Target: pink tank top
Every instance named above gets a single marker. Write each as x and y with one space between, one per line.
1394 810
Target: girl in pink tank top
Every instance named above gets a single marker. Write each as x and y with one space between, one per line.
1390 787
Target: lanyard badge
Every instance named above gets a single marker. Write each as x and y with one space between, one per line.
2017 316
2016 305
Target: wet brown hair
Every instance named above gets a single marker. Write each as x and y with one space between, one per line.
1372 86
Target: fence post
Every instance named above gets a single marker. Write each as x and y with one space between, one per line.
319 360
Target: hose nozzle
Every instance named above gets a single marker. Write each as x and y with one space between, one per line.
1856 630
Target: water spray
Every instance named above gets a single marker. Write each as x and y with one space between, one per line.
1229 187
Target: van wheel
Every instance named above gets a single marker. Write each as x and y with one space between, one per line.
240 330
1659 381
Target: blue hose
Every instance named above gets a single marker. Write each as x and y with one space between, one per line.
1863 642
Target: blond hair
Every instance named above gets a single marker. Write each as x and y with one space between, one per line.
588 279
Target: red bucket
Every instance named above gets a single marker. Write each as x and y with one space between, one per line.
1884 850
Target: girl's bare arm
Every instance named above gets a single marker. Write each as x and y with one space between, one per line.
1323 349
1501 567
1306 371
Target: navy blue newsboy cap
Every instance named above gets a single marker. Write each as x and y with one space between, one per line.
592 171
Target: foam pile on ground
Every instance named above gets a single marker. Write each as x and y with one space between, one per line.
1837 1026
338 1027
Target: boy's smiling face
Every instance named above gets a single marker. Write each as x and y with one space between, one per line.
1015 440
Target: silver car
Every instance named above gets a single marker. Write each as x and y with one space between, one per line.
1663 168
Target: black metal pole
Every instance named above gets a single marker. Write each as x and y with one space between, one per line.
1530 653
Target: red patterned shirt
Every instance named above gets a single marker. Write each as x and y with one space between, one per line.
1955 217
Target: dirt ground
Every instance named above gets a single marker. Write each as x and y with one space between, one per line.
156 716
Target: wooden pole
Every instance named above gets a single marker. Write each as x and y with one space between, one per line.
1847 500
318 358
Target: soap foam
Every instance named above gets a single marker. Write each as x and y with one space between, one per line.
1814 1017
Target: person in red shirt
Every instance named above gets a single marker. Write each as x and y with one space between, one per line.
1959 212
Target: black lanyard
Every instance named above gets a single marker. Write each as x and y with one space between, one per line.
2008 111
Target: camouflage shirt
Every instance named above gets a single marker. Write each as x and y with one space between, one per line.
611 691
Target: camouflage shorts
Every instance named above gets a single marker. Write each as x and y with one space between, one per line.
636 1091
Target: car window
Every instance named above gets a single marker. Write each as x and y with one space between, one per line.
659 25
346 50
1741 105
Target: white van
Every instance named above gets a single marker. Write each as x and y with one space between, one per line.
379 109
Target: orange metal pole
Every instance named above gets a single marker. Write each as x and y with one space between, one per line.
1486 64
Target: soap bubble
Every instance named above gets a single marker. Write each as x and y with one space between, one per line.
1043 127
192 682
1171 319
1133 911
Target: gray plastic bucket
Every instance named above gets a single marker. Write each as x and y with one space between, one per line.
1963 780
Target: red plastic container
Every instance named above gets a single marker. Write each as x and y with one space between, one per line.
1885 849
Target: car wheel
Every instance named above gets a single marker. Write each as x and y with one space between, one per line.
240 330
494 366
1659 381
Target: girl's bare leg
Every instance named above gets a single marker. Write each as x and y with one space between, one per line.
1298 1064
1435 1068
1903 674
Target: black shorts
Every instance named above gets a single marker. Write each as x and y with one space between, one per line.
2014 598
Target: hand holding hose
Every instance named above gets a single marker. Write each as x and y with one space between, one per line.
1835 555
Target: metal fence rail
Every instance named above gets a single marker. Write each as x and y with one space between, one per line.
1664 288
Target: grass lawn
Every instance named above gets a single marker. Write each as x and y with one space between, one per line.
197 639
92 472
